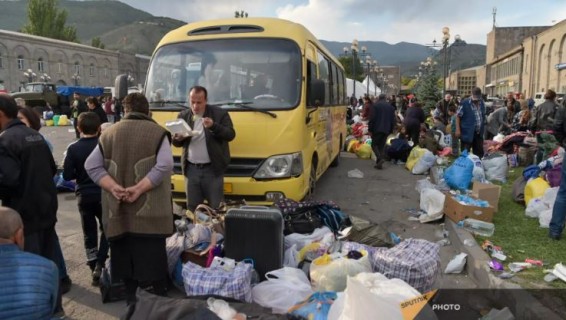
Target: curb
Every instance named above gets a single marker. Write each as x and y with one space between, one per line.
521 303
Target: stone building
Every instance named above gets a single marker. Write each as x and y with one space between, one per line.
25 58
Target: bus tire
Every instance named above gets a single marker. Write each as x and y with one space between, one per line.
312 183
336 161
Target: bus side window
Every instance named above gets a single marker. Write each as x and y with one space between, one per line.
311 76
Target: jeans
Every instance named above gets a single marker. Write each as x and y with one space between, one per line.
90 209
559 211
203 184
476 145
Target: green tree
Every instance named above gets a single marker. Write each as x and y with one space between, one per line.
346 62
46 20
97 43
427 88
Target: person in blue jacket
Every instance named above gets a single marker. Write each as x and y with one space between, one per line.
29 282
470 123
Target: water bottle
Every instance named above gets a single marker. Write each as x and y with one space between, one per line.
478 227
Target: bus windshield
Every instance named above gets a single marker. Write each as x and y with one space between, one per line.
257 73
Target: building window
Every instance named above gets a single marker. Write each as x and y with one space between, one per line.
91 70
21 65
77 68
60 67
105 72
1 62
40 65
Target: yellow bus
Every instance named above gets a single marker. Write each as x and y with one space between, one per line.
284 91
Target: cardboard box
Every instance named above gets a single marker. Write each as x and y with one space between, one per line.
488 192
458 212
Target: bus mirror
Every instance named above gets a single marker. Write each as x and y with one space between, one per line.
316 93
121 86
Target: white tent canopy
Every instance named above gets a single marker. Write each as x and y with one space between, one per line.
361 88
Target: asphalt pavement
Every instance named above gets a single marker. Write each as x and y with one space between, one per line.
383 196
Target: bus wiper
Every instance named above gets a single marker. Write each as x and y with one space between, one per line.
245 105
179 103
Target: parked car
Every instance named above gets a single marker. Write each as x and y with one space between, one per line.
539 97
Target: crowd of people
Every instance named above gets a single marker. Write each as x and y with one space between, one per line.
470 125
122 176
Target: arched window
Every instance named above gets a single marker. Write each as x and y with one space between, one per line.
1 62
60 66
91 70
77 68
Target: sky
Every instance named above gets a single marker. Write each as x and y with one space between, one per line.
391 21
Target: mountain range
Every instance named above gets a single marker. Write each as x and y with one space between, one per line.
124 28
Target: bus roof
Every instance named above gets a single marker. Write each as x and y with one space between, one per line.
244 28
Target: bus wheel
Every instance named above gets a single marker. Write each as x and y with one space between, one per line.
336 161
312 183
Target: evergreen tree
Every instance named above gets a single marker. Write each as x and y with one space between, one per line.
346 62
427 89
46 20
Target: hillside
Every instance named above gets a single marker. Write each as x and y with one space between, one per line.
122 27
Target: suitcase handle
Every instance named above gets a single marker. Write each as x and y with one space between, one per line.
253 207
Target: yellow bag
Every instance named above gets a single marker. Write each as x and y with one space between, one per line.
364 151
414 157
353 145
63 120
49 123
535 188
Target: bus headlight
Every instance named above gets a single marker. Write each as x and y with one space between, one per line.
281 166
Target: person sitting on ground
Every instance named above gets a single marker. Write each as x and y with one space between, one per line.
29 282
399 149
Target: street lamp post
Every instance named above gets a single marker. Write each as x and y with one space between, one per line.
354 49
45 77
30 75
445 41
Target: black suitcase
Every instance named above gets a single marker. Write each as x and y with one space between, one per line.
254 232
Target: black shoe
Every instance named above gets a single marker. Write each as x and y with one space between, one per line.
96 273
554 236
65 284
379 165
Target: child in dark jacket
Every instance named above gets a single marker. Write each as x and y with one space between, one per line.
88 193
399 149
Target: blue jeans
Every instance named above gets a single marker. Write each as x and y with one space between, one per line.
559 211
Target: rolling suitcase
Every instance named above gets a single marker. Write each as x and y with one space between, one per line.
255 232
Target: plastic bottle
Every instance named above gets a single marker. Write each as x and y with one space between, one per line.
478 227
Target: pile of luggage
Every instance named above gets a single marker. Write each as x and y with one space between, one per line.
298 258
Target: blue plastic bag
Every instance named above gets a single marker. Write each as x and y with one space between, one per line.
315 307
459 174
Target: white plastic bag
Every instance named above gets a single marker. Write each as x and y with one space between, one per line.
432 202
289 286
424 163
291 257
301 240
457 264
368 292
424 184
478 174
548 200
329 273
496 168
534 208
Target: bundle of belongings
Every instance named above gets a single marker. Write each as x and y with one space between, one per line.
301 259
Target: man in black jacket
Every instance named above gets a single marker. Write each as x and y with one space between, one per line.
27 168
381 124
206 153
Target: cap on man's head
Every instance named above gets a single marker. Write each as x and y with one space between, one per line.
476 93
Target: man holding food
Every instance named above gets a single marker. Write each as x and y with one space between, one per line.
206 153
